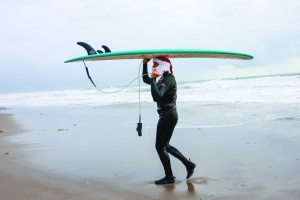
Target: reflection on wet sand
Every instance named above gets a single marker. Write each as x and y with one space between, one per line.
190 184
169 187
191 187
200 180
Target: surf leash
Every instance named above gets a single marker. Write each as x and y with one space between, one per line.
91 51
139 124
88 74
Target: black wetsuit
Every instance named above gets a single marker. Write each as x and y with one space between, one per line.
164 93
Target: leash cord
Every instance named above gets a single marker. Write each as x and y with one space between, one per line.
87 71
139 125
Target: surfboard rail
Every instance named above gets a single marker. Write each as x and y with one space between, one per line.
170 53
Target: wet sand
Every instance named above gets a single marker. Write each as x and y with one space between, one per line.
20 180
95 153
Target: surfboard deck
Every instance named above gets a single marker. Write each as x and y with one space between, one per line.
170 53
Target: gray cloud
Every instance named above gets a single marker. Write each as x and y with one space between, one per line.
38 36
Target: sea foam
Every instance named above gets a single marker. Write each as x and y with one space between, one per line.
268 89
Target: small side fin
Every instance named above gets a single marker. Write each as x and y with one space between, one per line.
99 51
107 50
87 47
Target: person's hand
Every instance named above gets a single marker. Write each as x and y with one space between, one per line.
146 60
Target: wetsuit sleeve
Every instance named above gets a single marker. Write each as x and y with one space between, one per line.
146 78
158 94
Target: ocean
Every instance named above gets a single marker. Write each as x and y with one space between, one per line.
201 104
264 89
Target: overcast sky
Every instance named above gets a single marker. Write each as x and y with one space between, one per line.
37 36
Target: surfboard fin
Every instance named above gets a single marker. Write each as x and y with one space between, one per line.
107 50
87 47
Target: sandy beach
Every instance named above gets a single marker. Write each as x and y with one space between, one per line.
95 153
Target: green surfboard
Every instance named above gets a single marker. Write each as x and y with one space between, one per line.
170 53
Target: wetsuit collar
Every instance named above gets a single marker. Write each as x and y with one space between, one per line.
158 79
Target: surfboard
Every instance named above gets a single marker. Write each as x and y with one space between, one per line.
170 53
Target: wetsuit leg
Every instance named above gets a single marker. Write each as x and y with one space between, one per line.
165 127
176 153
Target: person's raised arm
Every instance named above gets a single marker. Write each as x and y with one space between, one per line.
145 75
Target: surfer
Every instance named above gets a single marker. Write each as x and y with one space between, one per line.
164 93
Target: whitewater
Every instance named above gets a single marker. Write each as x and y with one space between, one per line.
264 89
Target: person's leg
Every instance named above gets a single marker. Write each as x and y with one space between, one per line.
188 164
165 127
177 154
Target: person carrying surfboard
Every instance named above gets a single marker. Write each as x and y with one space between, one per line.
164 93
